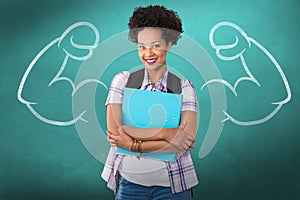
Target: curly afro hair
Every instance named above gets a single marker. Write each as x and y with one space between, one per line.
155 16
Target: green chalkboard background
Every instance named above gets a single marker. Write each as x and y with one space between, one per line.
44 161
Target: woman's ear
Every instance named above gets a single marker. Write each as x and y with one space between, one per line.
169 45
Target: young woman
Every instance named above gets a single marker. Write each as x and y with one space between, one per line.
155 29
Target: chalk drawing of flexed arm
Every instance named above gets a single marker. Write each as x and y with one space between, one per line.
88 50
239 55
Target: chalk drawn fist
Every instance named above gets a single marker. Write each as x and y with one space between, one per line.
231 43
70 45
79 48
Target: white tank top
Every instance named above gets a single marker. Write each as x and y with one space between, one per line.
144 171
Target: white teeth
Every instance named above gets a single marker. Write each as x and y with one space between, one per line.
150 60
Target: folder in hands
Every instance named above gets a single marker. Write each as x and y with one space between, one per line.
148 109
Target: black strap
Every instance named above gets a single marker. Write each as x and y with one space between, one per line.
173 84
136 78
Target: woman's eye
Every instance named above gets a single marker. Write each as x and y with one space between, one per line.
156 46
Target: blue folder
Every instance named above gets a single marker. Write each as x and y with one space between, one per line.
148 109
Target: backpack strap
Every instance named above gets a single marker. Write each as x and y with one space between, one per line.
173 84
136 78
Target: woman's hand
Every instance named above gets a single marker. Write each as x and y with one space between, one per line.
181 139
120 139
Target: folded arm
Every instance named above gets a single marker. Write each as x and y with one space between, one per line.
163 140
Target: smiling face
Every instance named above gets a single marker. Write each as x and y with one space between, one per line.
152 48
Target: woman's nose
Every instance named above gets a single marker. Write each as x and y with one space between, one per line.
148 51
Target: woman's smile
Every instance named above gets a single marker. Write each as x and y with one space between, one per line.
150 61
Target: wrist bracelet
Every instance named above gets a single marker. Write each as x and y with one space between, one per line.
136 146
133 146
139 146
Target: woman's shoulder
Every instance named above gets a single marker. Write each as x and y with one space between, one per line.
121 76
186 83
120 79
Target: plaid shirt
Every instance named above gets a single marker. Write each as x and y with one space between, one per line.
181 172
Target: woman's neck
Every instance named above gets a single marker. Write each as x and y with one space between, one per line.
156 74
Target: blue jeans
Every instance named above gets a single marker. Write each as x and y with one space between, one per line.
132 191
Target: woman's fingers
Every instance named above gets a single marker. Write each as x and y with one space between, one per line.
112 139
